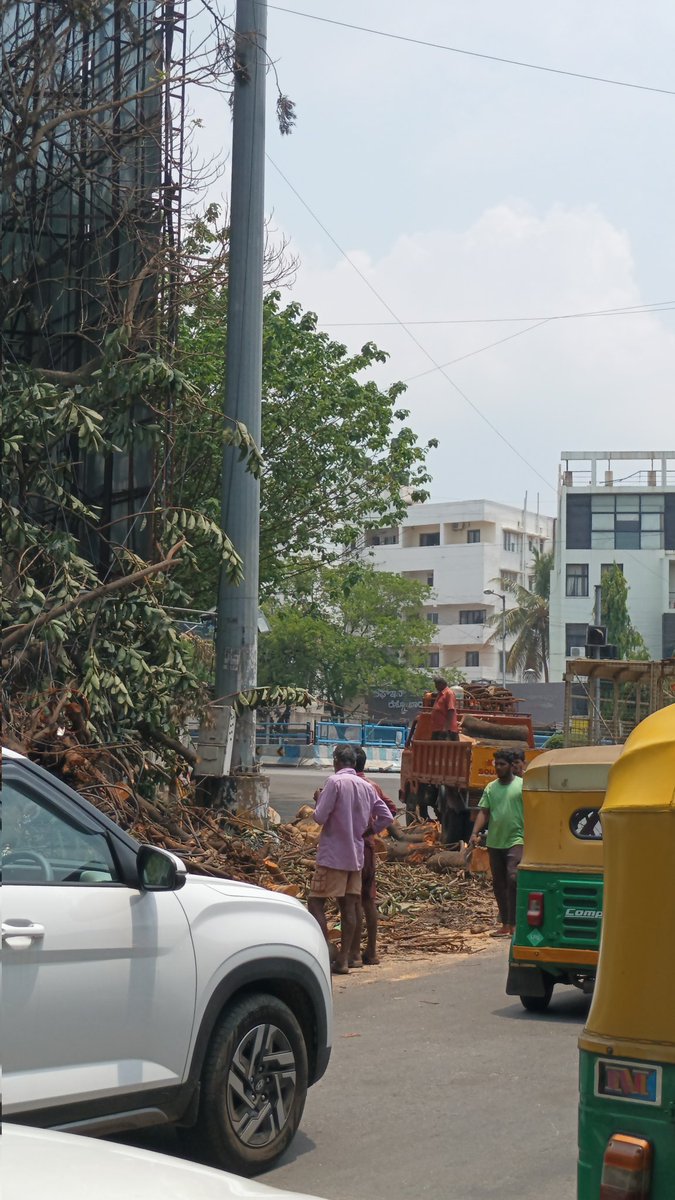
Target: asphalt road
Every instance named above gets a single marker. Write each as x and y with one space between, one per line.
292 786
440 1085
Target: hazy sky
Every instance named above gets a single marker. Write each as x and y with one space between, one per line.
467 189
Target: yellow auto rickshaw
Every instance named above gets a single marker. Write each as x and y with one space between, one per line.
560 878
627 1049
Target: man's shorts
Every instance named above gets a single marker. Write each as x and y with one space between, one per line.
330 884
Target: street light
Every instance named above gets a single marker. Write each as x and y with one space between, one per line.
502 597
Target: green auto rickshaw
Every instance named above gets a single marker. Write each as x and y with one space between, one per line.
560 878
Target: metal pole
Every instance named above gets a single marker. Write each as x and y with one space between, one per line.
503 599
236 634
595 717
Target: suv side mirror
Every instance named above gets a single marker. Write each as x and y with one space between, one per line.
160 870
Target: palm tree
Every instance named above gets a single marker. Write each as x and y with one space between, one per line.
527 621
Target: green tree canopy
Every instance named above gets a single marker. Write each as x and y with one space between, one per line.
355 629
337 452
614 614
107 639
527 622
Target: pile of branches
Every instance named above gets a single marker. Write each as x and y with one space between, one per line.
422 909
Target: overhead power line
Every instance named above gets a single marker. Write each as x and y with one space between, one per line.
436 366
627 311
511 62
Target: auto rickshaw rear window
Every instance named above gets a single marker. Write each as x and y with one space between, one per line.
586 825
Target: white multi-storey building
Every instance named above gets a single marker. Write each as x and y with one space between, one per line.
614 507
462 549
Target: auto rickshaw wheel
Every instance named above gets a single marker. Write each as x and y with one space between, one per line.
539 1004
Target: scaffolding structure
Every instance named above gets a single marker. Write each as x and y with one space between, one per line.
91 205
605 700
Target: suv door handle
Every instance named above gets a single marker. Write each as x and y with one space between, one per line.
18 935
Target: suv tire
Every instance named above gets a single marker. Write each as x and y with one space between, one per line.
253 1085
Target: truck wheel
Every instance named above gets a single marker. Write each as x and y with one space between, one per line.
539 1003
253 1086
410 806
452 816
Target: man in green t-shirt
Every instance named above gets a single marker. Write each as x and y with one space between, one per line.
502 805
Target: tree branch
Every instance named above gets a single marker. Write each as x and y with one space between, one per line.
116 585
169 743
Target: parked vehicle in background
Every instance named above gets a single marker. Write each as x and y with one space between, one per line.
627 1049
40 1162
451 776
560 882
138 994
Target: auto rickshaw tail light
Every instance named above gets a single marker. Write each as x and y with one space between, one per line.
626 1168
535 908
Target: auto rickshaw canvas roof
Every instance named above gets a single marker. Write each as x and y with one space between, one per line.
644 778
576 769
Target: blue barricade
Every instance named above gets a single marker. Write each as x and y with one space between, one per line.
327 733
384 735
271 733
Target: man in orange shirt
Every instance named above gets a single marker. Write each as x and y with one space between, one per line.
444 723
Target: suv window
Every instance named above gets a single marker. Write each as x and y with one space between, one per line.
40 845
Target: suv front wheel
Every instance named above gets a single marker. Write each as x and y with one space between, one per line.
254 1085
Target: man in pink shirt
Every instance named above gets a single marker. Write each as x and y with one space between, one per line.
347 806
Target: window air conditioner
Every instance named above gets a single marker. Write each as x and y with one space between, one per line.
459 524
577 651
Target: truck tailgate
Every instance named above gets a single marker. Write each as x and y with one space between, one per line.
441 762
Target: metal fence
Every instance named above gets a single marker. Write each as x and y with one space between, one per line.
275 733
359 733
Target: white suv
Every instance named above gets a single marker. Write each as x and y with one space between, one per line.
137 994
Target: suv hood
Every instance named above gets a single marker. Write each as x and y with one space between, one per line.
234 890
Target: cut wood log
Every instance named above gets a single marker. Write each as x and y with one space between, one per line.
479 863
479 728
449 860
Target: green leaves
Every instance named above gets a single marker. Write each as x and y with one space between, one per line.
123 651
239 436
337 455
352 630
615 615
261 697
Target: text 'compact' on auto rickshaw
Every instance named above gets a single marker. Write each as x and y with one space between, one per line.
627 1050
560 882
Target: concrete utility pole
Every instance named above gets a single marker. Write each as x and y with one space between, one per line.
502 597
237 629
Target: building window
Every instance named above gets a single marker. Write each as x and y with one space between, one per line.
434 659
578 533
472 616
473 536
575 635
627 522
430 579
577 579
430 539
390 539
605 567
433 618
472 658
506 577
511 540
530 583
374 539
